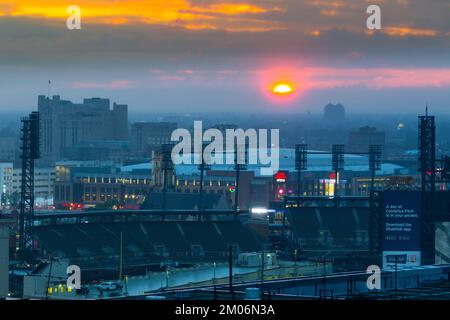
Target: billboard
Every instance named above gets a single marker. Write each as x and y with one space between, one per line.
401 227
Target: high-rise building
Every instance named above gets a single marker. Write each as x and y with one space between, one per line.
145 136
359 140
115 150
6 173
44 179
334 113
7 149
65 124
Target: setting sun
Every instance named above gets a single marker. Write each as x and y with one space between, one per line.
282 88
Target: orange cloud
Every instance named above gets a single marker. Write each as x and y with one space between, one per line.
198 26
327 3
408 32
329 8
315 33
330 13
230 9
182 13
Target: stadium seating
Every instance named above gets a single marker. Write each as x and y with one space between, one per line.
323 228
145 242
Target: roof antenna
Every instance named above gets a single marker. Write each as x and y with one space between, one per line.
48 89
426 110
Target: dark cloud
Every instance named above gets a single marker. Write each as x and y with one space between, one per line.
30 41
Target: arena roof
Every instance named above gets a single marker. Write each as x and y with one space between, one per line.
317 162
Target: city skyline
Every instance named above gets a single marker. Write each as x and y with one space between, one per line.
247 151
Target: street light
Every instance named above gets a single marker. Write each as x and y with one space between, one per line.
261 211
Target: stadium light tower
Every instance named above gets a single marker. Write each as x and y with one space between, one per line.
30 151
166 166
427 169
301 163
374 163
337 163
427 152
203 166
240 163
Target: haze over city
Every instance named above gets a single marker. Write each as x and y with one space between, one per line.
263 153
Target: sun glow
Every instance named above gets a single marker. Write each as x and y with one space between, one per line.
282 83
282 88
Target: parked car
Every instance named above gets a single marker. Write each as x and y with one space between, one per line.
109 286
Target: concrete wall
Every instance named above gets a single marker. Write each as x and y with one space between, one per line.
4 257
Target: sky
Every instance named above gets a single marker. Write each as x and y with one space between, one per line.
218 55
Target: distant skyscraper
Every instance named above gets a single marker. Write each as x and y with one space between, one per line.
145 136
7 149
223 127
334 113
6 172
65 124
359 140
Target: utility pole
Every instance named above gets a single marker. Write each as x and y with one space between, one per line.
230 269
262 273
396 275
121 256
295 262
324 261
324 273
49 277
240 163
